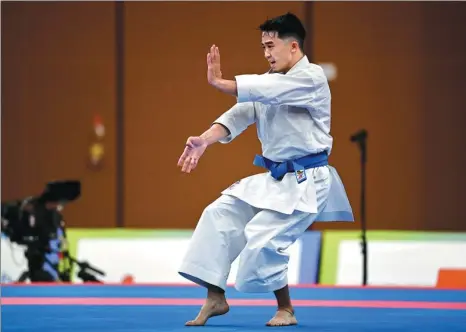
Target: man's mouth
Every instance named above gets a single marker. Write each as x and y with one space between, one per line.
272 63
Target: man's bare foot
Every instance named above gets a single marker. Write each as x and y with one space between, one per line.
283 317
214 306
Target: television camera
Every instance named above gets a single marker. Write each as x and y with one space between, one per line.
35 222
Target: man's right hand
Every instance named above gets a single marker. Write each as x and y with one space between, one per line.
195 147
214 73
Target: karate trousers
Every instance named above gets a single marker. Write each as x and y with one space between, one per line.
229 227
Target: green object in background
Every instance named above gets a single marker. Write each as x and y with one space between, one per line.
331 242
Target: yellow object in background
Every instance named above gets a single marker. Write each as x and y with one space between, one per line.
97 149
97 153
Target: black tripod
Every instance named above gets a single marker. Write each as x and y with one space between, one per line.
84 270
360 138
36 273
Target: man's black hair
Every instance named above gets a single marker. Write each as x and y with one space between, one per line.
286 26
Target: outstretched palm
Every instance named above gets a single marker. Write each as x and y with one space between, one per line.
214 72
195 147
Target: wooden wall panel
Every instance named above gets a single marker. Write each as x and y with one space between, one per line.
57 72
401 67
444 116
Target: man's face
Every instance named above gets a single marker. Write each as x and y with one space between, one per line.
278 52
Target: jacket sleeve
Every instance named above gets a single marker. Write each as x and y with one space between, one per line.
274 89
237 119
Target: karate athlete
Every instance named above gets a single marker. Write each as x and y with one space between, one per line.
259 217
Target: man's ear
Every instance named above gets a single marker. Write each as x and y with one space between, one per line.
294 46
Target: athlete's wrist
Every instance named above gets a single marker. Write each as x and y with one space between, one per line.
215 133
225 86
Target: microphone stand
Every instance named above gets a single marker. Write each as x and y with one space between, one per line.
360 138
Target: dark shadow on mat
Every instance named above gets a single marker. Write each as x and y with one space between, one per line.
254 326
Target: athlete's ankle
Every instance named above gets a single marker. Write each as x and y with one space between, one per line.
215 294
288 308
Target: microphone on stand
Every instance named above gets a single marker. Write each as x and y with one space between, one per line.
360 138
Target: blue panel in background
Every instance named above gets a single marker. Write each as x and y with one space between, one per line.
310 257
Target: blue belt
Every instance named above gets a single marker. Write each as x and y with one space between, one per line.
298 166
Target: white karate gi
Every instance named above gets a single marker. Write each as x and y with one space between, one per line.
259 217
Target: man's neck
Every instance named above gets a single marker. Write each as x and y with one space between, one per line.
294 62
